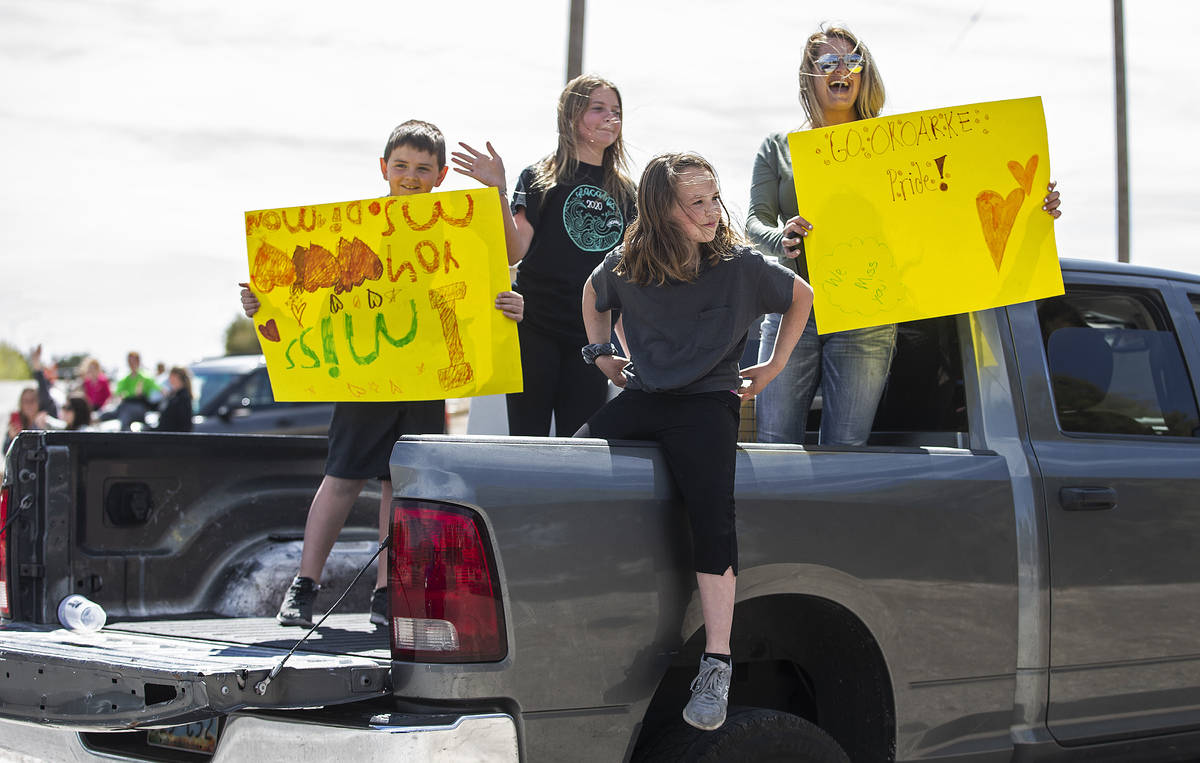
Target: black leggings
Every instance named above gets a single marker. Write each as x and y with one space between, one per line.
556 381
698 434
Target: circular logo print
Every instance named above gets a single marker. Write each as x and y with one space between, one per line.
592 219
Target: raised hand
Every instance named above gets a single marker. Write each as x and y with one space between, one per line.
487 169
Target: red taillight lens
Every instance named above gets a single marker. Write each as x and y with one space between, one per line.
4 608
442 583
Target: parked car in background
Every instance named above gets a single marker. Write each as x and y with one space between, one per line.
233 395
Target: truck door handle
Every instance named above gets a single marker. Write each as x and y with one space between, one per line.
1087 498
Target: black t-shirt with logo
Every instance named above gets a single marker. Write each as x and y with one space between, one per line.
574 226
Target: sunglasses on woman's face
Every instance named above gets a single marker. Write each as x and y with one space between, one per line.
828 63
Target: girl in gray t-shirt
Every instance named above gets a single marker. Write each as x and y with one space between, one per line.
688 290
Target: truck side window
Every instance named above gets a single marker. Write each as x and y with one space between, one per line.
924 402
256 392
1195 298
1115 364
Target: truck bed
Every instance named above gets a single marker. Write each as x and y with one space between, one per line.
167 672
348 634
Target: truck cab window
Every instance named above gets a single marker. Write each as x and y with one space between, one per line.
924 402
1115 364
255 393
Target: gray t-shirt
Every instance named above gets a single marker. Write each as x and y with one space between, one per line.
688 337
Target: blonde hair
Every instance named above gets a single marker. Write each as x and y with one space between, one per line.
871 94
560 166
656 250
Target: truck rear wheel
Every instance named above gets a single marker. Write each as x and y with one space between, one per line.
749 734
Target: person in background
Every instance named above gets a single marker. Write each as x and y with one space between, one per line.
27 415
73 415
46 374
96 387
135 391
175 411
76 414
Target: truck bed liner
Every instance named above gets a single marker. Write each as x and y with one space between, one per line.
349 634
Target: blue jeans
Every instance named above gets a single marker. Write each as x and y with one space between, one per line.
851 367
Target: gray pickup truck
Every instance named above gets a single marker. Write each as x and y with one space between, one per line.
1006 572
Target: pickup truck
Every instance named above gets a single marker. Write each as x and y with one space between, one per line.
1006 572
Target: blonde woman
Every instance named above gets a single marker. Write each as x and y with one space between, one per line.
839 83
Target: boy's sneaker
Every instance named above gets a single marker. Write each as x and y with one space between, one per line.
710 695
297 606
379 606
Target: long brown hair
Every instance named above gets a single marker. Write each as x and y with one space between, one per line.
871 94
656 250
560 166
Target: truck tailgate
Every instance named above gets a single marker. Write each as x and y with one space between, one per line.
170 672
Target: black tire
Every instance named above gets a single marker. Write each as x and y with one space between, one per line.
749 735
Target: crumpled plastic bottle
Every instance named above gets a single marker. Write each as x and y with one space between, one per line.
81 614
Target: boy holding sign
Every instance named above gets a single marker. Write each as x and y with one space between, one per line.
361 434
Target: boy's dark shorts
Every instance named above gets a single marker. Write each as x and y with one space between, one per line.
361 435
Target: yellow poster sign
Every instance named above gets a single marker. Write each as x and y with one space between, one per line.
925 214
384 299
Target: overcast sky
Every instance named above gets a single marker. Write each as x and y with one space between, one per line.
136 133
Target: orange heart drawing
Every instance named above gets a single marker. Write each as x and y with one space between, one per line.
297 308
996 217
270 330
1024 175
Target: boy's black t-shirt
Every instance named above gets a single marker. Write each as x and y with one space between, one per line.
574 225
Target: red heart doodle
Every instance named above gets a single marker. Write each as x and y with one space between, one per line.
269 331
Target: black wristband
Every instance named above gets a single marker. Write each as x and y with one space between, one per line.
593 351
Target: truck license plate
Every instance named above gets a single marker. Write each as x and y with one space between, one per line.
200 736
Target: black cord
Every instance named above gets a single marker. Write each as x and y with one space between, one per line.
13 518
261 687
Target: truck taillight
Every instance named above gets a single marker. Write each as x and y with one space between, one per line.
4 608
443 588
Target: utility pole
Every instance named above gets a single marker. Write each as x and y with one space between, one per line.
575 40
1122 134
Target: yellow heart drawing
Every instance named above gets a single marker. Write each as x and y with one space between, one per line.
1024 175
996 217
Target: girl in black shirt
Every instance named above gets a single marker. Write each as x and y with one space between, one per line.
568 211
